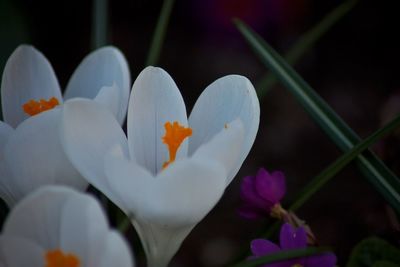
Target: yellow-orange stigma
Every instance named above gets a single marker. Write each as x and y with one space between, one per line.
56 258
175 134
33 107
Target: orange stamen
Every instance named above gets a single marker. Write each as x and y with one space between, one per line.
56 258
33 107
173 138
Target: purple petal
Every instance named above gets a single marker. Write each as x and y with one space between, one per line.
263 247
250 196
250 212
292 239
325 260
271 187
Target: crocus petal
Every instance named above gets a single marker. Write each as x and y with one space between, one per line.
225 146
35 156
88 132
326 260
182 194
20 252
109 97
270 187
103 67
6 192
290 238
224 100
113 251
83 225
250 212
155 99
263 247
27 75
37 217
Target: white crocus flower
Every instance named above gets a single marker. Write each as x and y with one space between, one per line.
171 170
31 154
56 226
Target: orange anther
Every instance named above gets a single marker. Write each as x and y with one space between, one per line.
33 107
175 134
56 258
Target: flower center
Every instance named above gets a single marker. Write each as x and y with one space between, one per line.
175 134
297 265
33 107
56 258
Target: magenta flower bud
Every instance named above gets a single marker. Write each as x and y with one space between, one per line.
261 193
291 238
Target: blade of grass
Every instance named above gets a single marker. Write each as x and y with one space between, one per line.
376 172
283 255
159 33
99 23
305 42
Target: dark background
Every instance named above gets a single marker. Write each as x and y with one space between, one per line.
354 67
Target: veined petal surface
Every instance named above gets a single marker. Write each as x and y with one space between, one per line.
103 67
155 100
27 75
223 101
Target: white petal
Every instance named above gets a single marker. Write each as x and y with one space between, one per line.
27 75
103 67
180 195
223 101
20 252
83 227
114 252
35 156
88 133
225 147
37 217
6 180
109 97
155 99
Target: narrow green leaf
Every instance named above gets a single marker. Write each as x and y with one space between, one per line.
377 173
283 255
305 42
159 33
321 179
99 23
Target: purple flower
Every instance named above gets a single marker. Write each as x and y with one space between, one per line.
261 193
290 238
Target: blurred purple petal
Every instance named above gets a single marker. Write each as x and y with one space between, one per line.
271 187
263 247
291 238
325 260
250 212
249 194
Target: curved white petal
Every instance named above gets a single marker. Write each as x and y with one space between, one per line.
225 147
20 252
102 67
88 132
35 156
38 216
180 195
114 251
109 97
155 99
27 75
83 227
6 180
223 101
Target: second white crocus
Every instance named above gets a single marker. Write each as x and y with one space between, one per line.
171 170
56 226
31 154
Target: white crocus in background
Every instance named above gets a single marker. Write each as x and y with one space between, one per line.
30 151
171 170
56 226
